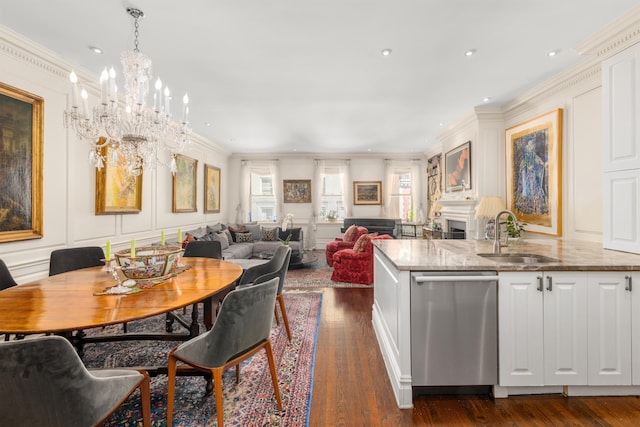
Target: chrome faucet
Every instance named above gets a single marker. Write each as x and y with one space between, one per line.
497 244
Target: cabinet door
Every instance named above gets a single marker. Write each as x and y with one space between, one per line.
565 328
635 325
621 211
621 101
609 329
520 329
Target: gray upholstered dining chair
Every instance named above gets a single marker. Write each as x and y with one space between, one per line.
241 329
69 259
204 249
276 267
43 382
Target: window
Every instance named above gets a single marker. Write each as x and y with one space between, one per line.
263 200
401 204
331 193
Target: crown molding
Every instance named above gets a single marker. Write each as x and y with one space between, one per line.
617 36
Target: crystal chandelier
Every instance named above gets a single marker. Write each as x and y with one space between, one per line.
137 135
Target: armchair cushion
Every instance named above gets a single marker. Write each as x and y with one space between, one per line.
341 243
355 267
350 234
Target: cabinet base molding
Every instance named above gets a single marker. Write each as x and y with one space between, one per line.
501 392
602 390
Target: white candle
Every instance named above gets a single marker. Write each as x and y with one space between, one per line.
85 105
74 89
104 83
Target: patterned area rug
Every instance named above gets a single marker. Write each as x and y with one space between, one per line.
249 403
316 275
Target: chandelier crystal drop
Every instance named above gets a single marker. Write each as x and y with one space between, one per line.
138 136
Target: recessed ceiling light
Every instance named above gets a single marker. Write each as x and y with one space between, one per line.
207 123
552 53
486 99
470 52
441 124
386 52
95 49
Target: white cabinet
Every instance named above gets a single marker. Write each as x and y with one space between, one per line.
610 329
543 328
621 151
635 326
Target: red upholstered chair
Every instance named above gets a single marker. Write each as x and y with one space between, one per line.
356 265
345 242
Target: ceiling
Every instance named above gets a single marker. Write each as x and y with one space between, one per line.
308 76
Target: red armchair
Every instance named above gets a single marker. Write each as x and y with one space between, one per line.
356 265
345 242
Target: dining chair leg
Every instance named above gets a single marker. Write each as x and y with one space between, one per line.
145 397
237 373
274 375
275 313
217 384
171 387
283 310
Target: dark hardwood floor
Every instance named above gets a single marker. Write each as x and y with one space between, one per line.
351 387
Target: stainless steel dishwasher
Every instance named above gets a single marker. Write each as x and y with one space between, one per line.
454 328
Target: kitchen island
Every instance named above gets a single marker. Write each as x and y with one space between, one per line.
564 325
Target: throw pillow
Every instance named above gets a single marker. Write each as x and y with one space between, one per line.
254 229
215 228
234 230
198 233
270 234
361 244
187 239
350 234
295 234
244 237
222 238
226 233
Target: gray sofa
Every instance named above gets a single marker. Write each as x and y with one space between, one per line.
248 240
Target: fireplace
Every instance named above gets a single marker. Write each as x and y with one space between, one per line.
456 229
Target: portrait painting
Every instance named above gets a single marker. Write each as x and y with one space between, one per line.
534 189
211 189
184 185
296 190
21 151
457 163
117 191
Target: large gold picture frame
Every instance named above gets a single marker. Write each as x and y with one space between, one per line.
117 191
367 192
184 185
534 172
211 189
21 164
296 190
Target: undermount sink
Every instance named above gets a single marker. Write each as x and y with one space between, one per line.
518 258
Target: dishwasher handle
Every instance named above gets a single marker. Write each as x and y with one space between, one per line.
423 279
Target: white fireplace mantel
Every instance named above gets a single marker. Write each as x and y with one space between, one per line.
459 210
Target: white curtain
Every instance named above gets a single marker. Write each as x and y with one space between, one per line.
416 190
245 193
347 187
385 208
316 191
274 171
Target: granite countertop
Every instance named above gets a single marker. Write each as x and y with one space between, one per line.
443 255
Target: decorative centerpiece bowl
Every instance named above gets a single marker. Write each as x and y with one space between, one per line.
149 262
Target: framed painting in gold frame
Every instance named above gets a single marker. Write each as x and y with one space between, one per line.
21 162
184 185
117 191
367 192
211 189
534 172
296 191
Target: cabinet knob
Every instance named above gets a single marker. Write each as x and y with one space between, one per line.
629 285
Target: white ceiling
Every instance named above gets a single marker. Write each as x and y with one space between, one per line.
308 75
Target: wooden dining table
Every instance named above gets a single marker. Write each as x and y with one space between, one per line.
67 303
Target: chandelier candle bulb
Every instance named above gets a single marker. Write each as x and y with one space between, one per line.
74 89
157 96
113 90
132 252
167 100
104 86
185 108
85 104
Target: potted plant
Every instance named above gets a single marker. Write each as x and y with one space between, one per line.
513 231
332 216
